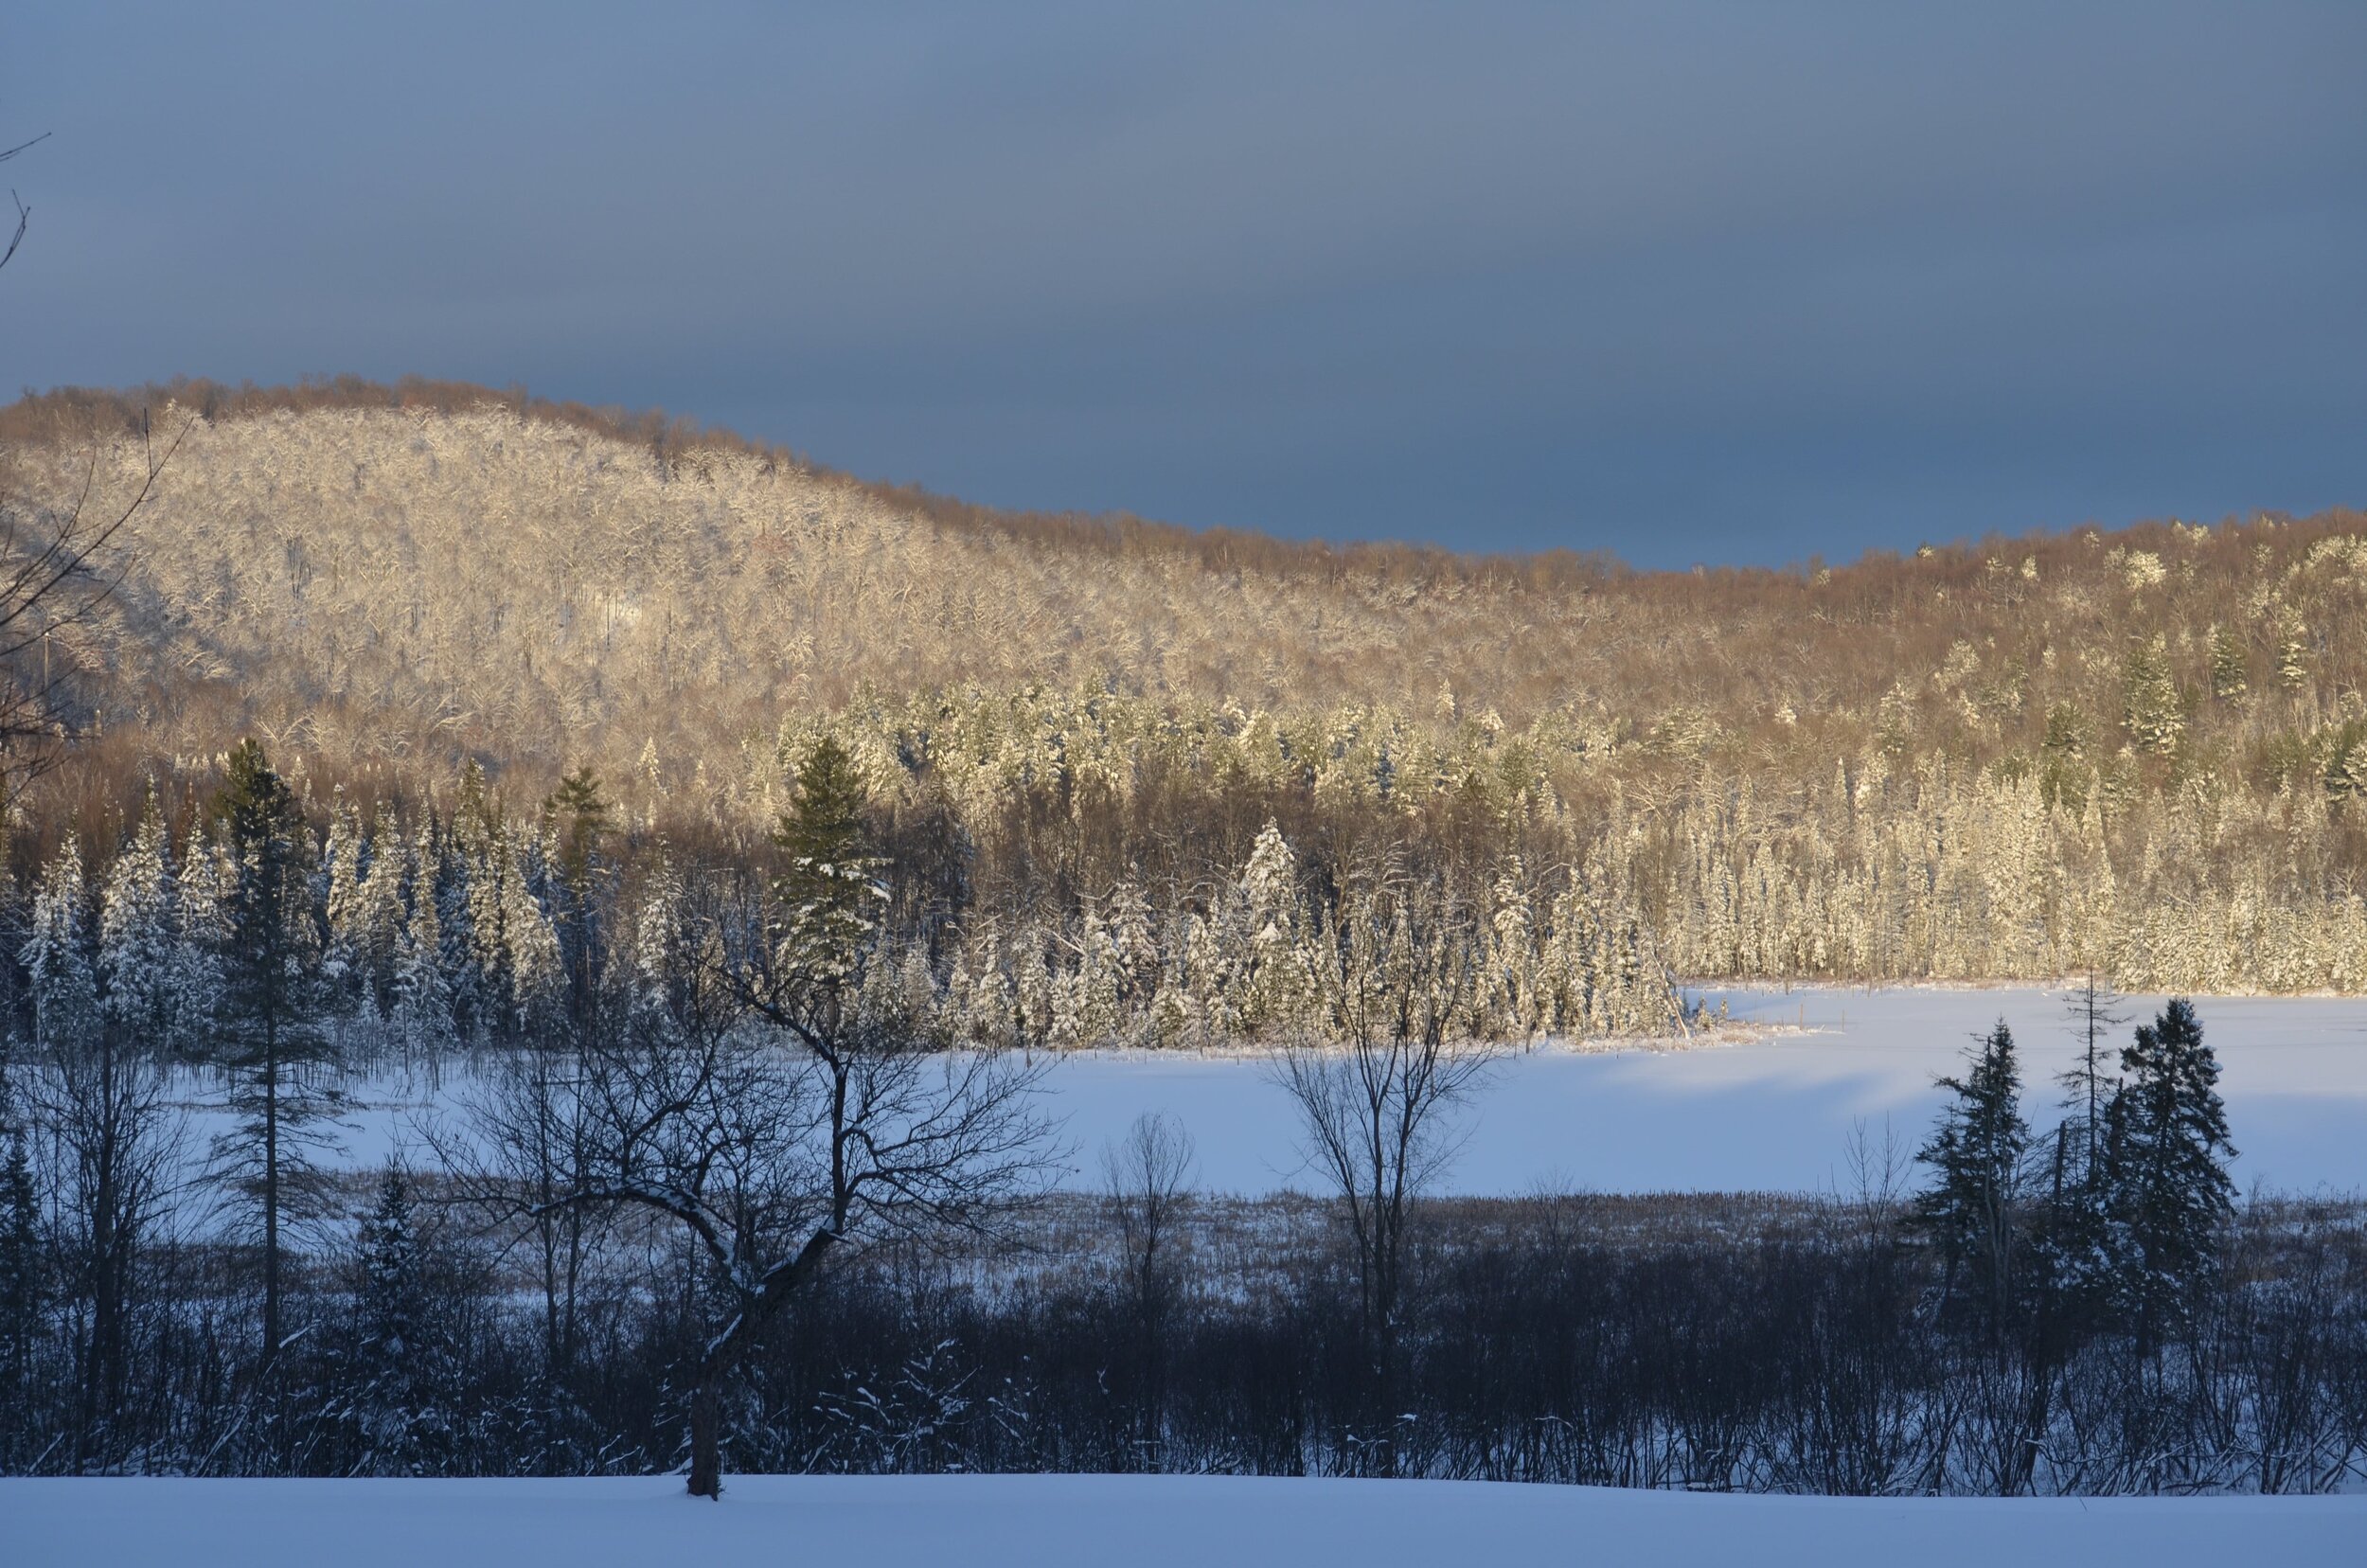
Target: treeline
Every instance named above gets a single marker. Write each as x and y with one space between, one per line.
709 1175
461 922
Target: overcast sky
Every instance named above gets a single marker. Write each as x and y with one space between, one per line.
1727 284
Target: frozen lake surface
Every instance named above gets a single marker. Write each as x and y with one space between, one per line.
1776 1113
1770 1114
1060 1520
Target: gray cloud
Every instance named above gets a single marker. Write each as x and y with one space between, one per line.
1680 281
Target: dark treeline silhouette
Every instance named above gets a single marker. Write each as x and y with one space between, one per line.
1703 1343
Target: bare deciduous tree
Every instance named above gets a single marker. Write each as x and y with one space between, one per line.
113 1142
778 1110
1377 1100
53 575
1148 1174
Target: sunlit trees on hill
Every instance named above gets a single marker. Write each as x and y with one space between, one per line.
2140 751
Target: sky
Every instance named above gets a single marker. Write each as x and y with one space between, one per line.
1683 283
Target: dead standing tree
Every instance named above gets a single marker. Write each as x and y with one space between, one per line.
1377 1092
763 1099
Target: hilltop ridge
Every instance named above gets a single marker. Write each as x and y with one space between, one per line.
430 571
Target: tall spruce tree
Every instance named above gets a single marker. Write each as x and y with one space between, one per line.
1972 1206
422 1013
57 955
829 889
266 1027
577 815
2166 1149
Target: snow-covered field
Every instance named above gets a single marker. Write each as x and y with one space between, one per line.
1059 1521
1771 1113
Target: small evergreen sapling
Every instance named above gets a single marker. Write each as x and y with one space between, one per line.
393 1406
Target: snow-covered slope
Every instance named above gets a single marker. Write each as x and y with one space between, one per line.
1089 1522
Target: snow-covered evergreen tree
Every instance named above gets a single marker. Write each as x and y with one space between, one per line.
394 1402
57 954
1276 992
141 965
422 1016
536 971
379 920
344 973
1034 992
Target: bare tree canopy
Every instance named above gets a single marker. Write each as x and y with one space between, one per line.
54 575
769 1103
1393 978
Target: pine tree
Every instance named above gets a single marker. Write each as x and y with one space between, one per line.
578 817
57 954
1095 1008
267 1020
379 922
443 880
207 877
1975 1153
393 1403
343 972
1035 994
139 938
2072 1249
2230 669
579 813
1135 938
23 1276
1277 989
829 891
2166 1148
424 999
537 968
2292 650
2151 705
2094 1012
1509 999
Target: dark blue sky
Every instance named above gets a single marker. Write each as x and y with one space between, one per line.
1685 282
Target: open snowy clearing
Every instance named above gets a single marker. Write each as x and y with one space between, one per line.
1770 1112
1056 1521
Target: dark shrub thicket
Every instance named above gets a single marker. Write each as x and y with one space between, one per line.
1702 1343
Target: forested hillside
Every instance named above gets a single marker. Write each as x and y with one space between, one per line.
2142 751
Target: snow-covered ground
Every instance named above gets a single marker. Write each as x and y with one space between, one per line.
1771 1113
1059 1521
